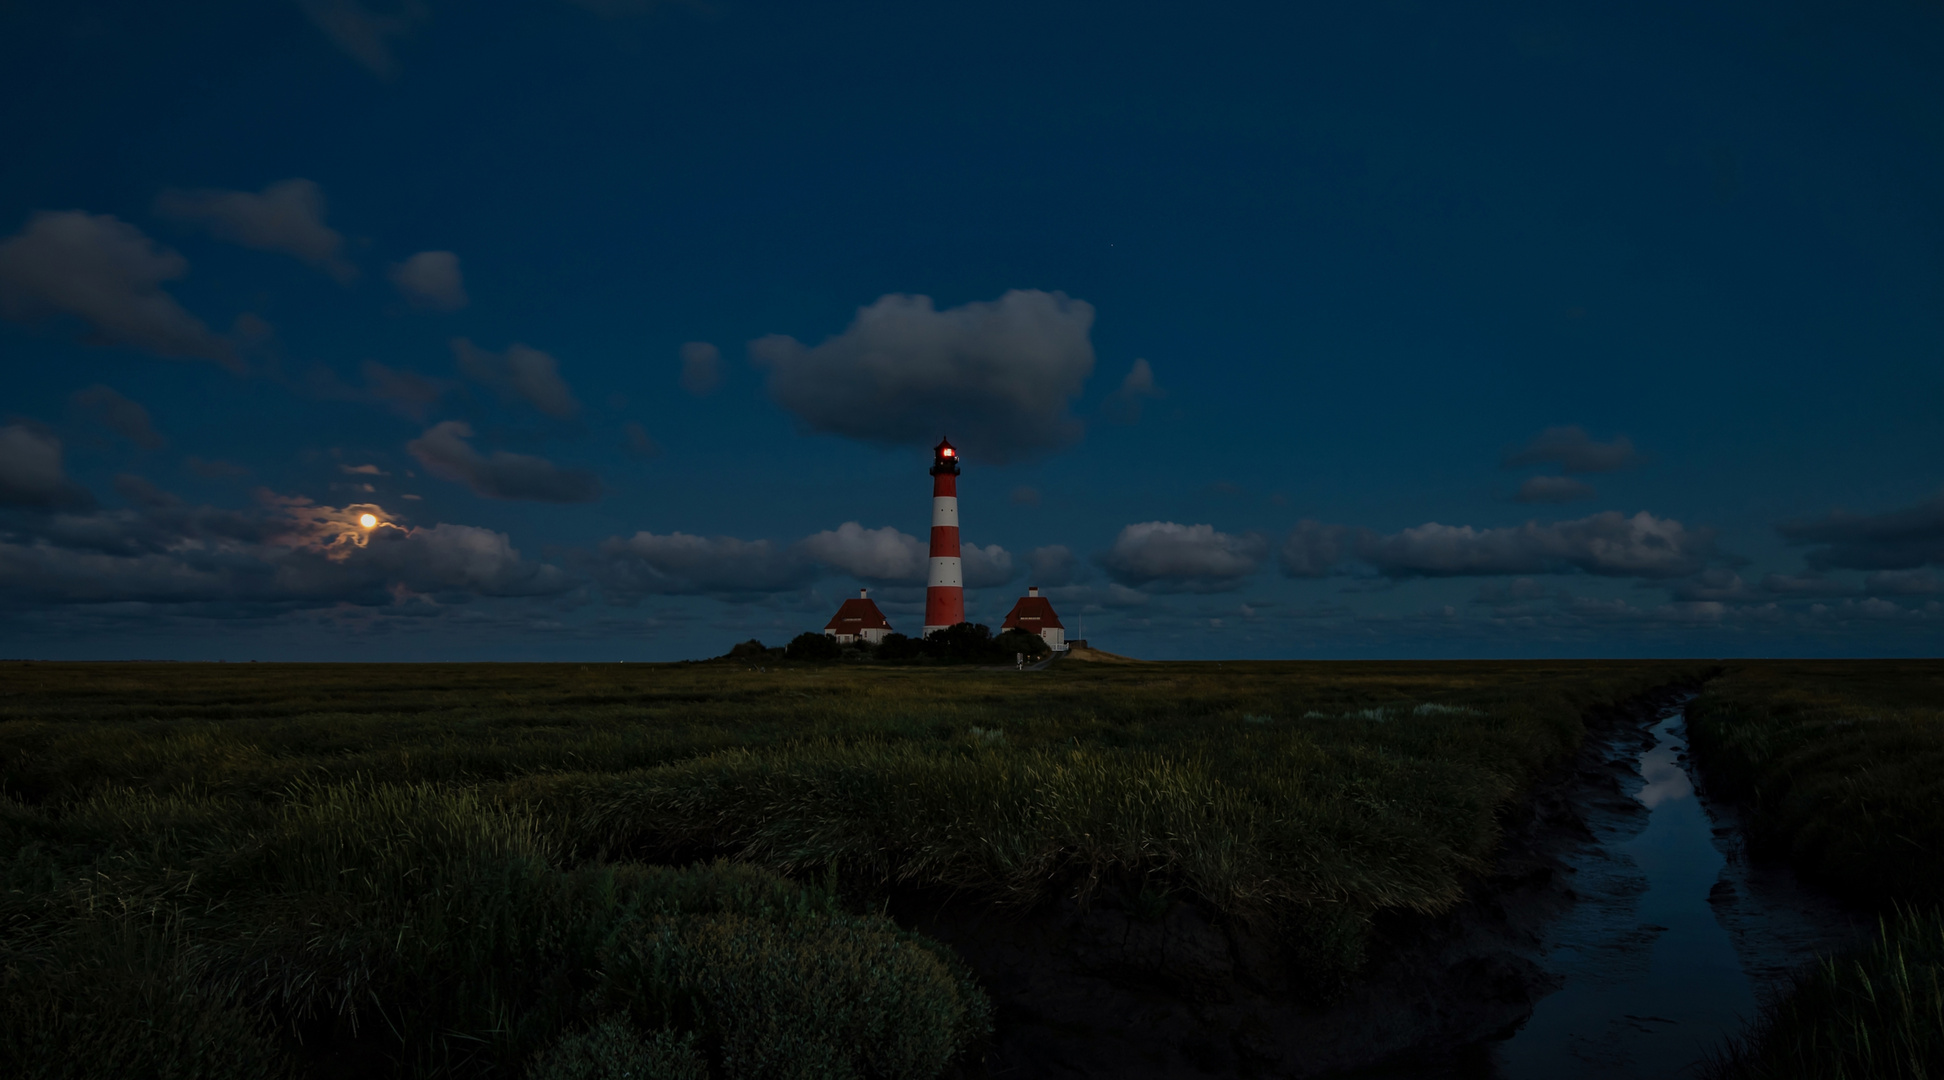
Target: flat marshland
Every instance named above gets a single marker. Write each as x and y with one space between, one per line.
678 870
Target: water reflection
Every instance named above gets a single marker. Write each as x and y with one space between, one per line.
1652 980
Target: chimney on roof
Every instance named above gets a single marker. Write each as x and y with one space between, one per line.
1032 590
863 594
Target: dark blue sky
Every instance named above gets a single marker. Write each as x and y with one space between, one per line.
1393 330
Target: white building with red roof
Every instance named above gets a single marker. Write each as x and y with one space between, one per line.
1034 614
858 620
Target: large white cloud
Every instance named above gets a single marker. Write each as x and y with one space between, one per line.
1168 556
107 273
890 556
445 453
285 217
998 377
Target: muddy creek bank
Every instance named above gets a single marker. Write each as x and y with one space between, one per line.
1106 992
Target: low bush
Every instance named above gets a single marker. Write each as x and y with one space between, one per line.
813 646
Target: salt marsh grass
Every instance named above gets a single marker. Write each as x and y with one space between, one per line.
1840 765
228 870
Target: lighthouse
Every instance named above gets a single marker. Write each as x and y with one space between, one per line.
945 587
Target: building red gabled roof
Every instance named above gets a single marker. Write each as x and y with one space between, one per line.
1032 614
857 614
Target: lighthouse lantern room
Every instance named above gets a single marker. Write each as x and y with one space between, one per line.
945 586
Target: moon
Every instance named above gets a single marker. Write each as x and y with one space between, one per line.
369 521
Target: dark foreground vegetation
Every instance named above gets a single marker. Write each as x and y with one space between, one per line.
1840 766
676 871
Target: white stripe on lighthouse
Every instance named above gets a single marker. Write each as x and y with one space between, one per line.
944 510
945 571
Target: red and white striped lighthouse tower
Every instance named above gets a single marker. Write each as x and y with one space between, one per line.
945 588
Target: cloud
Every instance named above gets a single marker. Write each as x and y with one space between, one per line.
107 273
1575 452
678 563
1714 584
701 367
996 376
1902 583
286 217
1313 549
1124 404
1024 495
871 554
407 393
890 556
1901 539
1609 544
1192 558
638 443
1805 585
985 567
430 279
521 372
118 414
1052 565
445 453
31 472
365 36
362 470
290 553
1553 489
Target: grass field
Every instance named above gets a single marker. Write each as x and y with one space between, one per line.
1841 768
552 871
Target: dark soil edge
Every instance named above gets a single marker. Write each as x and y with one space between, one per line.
1100 991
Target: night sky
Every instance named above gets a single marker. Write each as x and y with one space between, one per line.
1274 330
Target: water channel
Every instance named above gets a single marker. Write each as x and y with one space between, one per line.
1675 938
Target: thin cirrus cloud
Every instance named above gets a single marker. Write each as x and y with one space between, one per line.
1574 451
1124 404
1553 489
108 274
1610 544
286 217
365 35
701 368
997 376
445 452
1170 557
430 280
522 372
1901 539
107 407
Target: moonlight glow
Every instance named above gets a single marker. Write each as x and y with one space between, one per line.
369 521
